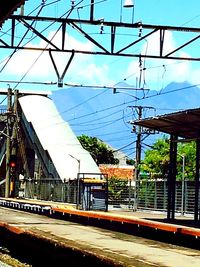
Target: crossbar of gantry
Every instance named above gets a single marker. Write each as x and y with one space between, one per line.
111 47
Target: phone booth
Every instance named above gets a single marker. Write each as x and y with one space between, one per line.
93 192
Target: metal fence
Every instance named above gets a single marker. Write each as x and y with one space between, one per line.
49 190
154 195
151 194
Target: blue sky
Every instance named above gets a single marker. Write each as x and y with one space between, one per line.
105 70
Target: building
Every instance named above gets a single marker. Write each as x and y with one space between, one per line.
118 171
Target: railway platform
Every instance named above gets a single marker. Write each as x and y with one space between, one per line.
183 226
107 238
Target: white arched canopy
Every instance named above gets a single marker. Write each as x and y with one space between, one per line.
56 137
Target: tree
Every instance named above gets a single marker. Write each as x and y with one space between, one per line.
188 150
130 162
156 160
100 152
117 189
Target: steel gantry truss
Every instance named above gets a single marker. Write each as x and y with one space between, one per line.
138 30
104 37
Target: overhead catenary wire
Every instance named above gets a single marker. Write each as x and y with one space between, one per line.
12 54
45 5
37 83
82 6
31 66
105 124
100 1
6 33
89 123
42 6
121 104
121 148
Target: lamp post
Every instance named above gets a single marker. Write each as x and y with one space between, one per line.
78 180
79 162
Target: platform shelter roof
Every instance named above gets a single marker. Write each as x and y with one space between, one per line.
185 124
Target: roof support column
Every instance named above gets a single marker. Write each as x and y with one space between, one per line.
196 203
172 178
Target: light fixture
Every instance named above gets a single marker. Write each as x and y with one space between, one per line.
128 3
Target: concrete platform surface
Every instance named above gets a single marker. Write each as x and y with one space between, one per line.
124 249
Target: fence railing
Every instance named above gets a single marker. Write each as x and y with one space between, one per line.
151 194
50 190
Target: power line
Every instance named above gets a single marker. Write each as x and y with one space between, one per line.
121 148
130 88
26 82
88 123
12 54
9 58
118 105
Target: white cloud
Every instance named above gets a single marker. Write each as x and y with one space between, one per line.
22 62
81 70
88 69
160 72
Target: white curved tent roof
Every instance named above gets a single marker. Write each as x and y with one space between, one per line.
57 137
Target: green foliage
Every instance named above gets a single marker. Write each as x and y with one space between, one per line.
130 162
187 150
98 150
156 160
117 188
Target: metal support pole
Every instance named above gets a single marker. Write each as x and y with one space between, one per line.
183 187
78 184
196 203
92 10
78 181
8 142
174 168
13 177
172 179
138 159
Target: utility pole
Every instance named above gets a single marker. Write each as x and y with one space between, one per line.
139 132
138 156
138 143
